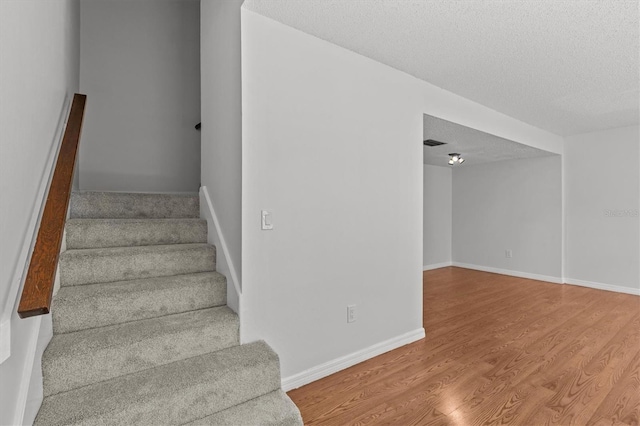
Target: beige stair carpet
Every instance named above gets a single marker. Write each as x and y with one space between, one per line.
142 333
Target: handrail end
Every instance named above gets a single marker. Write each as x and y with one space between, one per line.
32 312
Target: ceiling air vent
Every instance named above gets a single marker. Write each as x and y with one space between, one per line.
431 142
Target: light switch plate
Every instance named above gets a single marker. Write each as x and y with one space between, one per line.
351 313
267 220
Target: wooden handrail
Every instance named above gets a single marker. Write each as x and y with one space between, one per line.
38 286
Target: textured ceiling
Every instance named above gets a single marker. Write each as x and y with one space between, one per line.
566 66
475 146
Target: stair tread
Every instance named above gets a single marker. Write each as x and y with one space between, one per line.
109 251
174 393
96 305
93 204
141 331
83 357
99 233
95 265
116 220
274 408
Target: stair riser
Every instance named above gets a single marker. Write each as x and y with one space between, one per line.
167 339
141 335
123 205
81 308
93 233
176 393
81 268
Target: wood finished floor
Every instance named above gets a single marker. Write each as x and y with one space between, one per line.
499 350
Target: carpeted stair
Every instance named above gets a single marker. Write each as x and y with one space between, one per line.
142 333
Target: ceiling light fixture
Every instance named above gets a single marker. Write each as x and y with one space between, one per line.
455 158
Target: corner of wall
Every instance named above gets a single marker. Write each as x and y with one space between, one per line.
224 264
436 266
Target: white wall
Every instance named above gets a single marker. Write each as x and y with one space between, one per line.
222 127
445 105
509 205
332 145
602 185
140 70
39 48
437 217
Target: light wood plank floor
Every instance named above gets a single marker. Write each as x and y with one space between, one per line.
499 350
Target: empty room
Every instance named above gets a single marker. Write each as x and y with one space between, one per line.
320 212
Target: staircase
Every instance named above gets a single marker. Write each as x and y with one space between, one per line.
142 333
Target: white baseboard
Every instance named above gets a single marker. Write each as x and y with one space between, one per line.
35 393
333 366
24 384
547 278
215 236
436 266
601 286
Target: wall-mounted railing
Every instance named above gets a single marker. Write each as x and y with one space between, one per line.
38 286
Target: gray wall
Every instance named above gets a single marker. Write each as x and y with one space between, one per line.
39 47
509 205
437 216
329 147
222 118
140 68
602 184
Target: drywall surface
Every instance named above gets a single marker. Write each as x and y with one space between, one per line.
602 186
445 105
222 121
437 216
332 147
39 48
509 205
140 69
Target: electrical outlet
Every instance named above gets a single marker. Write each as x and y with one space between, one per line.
351 313
508 254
